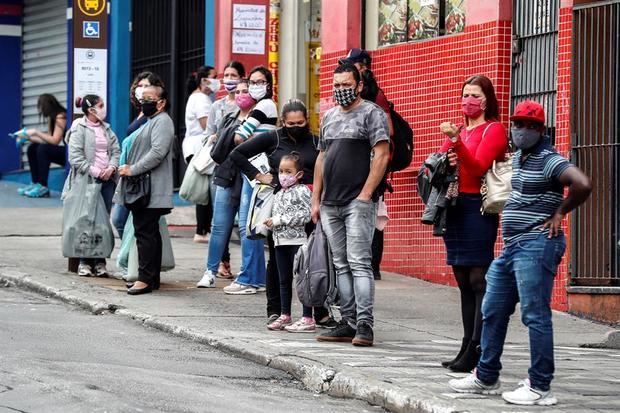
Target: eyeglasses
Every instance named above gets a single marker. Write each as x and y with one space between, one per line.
258 82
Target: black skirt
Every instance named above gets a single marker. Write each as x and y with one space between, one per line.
470 236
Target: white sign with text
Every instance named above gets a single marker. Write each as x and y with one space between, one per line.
90 73
248 41
249 16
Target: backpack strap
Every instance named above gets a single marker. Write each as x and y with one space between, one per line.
487 128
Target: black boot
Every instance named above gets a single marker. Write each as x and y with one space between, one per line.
469 359
464 344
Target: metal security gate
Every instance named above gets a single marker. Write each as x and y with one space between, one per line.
168 39
534 55
44 57
595 125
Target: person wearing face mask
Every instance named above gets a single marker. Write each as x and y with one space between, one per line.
294 136
372 92
200 85
151 153
234 72
354 154
534 244
262 118
228 183
470 236
93 150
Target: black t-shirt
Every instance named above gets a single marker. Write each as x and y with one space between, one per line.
347 139
276 144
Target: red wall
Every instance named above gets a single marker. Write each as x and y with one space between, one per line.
424 81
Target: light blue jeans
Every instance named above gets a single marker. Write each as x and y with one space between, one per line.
253 271
119 217
222 225
349 230
524 272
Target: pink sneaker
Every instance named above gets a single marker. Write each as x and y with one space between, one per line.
303 325
281 322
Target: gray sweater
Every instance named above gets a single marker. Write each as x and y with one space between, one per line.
152 152
80 140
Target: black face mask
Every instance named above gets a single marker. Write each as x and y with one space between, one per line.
297 132
149 107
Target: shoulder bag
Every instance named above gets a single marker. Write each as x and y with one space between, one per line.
496 186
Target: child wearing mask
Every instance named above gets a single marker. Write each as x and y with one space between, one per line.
291 213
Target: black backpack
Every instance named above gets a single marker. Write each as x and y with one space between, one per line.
401 143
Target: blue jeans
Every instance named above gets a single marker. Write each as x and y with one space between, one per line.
349 230
221 227
119 218
252 251
523 272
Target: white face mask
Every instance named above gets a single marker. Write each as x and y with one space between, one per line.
257 91
214 85
100 113
138 92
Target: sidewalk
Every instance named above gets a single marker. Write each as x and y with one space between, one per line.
417 325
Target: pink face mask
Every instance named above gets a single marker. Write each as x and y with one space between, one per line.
286 181
244 101
472 106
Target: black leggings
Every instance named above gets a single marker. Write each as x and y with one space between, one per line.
472 285
204 216
40 156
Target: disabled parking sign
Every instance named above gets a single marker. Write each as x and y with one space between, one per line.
90 30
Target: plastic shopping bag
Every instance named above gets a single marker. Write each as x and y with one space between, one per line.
261 205
86 228
128 256
195 186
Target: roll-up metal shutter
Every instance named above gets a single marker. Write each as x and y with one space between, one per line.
44 55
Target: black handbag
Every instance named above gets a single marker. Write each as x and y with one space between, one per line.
137 191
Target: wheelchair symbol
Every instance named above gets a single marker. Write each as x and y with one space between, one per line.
90 30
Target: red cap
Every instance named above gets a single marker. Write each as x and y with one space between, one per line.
529 110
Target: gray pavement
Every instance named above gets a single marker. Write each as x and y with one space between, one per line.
57 359
417 325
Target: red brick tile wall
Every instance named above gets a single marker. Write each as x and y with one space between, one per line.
424 81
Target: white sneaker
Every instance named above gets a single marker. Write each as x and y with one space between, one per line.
201 239
471 384
302 325
101 270
207 280
239 289
85 270
525 395
260 289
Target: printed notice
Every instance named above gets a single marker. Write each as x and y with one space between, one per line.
90 73
248 41
249 16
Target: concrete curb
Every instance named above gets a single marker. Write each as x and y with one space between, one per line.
314 375
612 339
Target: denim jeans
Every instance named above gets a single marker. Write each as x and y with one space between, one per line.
221 228
523 272
252 251
349 230
119 218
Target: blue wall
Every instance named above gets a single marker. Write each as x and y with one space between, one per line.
10 82
210 33
119 66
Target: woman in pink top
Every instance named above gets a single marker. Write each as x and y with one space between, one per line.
94 150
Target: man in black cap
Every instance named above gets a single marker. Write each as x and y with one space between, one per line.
372 92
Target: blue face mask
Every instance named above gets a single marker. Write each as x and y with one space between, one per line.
525 138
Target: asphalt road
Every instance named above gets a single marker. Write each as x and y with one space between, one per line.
54 358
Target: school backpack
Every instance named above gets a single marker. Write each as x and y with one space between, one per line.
401 142
315 275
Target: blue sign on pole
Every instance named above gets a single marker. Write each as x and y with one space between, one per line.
90 30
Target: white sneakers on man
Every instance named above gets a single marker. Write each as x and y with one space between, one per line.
471 384
207 280
525 395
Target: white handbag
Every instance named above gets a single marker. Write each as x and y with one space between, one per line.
202 161
496 186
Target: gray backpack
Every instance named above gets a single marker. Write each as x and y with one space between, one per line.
314 272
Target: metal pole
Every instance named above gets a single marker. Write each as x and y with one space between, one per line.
174 51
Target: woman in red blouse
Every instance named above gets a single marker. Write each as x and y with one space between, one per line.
470 236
